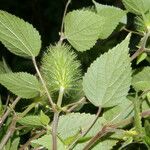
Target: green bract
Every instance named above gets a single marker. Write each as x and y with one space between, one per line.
60 68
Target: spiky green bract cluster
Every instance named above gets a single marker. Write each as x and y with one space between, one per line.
61 69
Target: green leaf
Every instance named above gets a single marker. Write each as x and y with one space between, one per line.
141 58
71 124
141 81
22 84
15 144
137 6
46 141
119 112
18 36
108 79
109 13
82 29
30 121
2 69
44 118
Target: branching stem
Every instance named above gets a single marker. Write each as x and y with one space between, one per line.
142 48
111 128
8 111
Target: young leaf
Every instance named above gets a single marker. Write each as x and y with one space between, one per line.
71 124
107 80
30 121
18 36
44 118
22 84
141 81
61 69
137 6
109 13
82 29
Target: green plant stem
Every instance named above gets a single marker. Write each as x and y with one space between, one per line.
30 107
142 48
137 116
111 128
8 111
44 84
62 25
76 104
56 118
86 131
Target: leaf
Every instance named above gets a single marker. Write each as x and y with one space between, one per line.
71 124
15 144
137 6
18 36
141 58
30 121
109 13
108 79
119 112
46 141
2 69
141 81
44 119
82 29
22 84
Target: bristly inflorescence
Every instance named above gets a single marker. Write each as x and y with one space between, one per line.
60 68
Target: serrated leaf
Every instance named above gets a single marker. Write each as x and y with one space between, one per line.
119 112
22 84
30 121
108 79
44 118
109 13
71 124
137 6
18 36
82 29
141 81
46 142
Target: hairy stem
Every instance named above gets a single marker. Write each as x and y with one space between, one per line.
56 118
111 128
8 111
142 48
62 25
44 84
